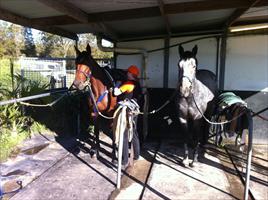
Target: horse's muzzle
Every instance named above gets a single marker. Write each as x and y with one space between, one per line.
78 85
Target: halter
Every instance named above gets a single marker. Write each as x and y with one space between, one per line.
91 94
188 79
88 76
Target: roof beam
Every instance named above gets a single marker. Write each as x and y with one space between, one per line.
251 20
77 14
238 12
17 19
164 16
208 5
173 8
67 8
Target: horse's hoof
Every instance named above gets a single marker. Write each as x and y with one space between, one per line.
193 164
114 162
92 153
185 162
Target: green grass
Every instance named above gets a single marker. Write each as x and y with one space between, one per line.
14 126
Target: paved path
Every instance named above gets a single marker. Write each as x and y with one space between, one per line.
60 171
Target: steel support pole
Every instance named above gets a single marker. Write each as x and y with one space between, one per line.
166 62
223 59
249 155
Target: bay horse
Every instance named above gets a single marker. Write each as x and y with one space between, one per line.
90 76
196 92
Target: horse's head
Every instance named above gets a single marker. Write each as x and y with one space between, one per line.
83 62
187 70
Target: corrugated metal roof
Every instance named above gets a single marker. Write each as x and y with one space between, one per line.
122 19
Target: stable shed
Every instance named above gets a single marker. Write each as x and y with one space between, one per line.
148 32
157 27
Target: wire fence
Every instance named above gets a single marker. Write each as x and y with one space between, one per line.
54 72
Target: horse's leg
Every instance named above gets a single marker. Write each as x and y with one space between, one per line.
184 125
197 136
195 157
97 138
96 143
114 149
185 160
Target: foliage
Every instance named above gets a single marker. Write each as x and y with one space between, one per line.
16 40
29 46
90 39
54 46
11 40
14 125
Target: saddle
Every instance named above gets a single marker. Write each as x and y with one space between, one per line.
231 106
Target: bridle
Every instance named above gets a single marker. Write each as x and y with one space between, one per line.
88 87
188 78
87 75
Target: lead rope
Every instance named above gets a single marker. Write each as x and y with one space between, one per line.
216 123
88 84
161 107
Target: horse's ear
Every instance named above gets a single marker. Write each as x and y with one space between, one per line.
88 49
181 51
76 50
194 50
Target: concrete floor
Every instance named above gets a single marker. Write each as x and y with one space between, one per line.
60 171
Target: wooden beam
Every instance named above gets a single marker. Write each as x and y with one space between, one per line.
17 19
174 8
55 20
79 15
164 16
238 12
175 33
207 5
251 20
67 8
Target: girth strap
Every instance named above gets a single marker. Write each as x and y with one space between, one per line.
102 96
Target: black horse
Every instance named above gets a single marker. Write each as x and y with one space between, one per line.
197 89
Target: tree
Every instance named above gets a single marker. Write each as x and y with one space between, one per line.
29 46
54 46
11 40
10 44
90 39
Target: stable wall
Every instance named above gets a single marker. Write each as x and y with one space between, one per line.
206 56
246 70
